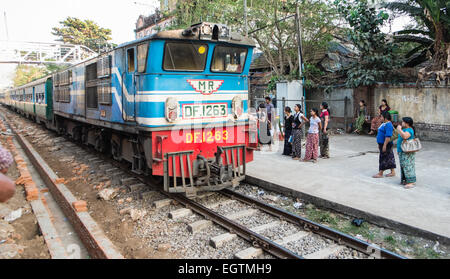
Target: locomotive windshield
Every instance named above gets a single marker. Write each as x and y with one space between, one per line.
229 59
185 56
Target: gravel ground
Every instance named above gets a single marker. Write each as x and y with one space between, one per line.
309 245
257 220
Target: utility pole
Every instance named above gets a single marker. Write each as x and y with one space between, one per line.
6 27
245 18
300 56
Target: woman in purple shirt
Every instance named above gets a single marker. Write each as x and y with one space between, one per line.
387 158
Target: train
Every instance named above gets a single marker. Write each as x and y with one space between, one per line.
174 105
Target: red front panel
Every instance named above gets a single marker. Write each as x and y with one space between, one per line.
201 141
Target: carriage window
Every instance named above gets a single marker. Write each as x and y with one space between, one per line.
185 57
229 59
130 54
142 51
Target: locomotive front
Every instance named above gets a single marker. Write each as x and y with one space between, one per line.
194 98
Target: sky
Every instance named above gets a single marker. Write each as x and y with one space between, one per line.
33 20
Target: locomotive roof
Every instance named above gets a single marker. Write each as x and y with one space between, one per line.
234 38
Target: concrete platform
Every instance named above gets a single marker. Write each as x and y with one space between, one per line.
346 181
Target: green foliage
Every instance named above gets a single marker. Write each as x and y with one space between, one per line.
377 61
432 32
83 32
276 38
272 85
27 73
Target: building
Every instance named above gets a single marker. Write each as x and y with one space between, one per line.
149 25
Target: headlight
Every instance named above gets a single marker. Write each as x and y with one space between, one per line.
171 109
238 107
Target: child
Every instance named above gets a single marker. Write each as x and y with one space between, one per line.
312 141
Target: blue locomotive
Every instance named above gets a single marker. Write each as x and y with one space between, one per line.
174 105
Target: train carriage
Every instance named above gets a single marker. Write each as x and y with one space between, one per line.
173 105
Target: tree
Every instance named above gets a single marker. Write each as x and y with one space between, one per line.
86 33
432 32
377 61
277 38
27 73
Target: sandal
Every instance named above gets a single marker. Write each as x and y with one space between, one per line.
410 186
390 175
377 176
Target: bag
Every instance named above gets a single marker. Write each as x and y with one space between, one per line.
410 146
280 136
291 139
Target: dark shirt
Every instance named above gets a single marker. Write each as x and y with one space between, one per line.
387 109
297 121
288 122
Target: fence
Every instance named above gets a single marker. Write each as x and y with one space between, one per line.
341 112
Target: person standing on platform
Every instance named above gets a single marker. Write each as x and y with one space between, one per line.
312 142
387 158
406 131
299 121
377 121
263 132
7 186
288 126
270 110
324 137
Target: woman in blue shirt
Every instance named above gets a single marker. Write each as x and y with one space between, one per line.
387 158
406 131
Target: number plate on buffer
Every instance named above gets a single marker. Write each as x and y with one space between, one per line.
196 111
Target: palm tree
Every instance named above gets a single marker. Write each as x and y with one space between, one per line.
434 37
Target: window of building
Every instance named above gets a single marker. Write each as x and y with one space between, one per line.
229 59
142 52
185 56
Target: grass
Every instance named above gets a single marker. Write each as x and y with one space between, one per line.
320 216
367 231
390 240
426 253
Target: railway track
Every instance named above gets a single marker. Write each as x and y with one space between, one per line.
268 231
52 211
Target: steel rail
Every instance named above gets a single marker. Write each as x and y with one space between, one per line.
309 225
90 234
257 240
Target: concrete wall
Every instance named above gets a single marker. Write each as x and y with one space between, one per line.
429 108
